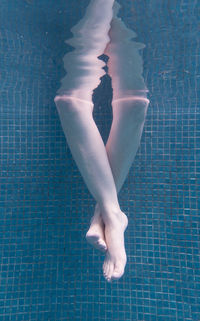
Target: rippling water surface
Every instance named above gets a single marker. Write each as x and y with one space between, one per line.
48 272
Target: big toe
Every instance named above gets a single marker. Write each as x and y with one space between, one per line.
102 245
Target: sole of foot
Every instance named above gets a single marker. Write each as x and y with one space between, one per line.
95 236
96 242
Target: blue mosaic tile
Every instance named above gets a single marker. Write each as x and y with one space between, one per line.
48 271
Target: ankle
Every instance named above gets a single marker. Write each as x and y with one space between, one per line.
109 209
117 222
114 215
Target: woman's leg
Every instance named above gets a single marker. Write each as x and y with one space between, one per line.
129 106
121 147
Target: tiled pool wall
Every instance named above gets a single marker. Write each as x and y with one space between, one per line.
48 271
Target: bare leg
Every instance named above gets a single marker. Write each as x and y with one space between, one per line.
129 110
121 147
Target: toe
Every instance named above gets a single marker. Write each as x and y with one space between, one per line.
106 271
105 267
96 245
102 245
110 271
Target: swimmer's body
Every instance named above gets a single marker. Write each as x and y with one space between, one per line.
104 168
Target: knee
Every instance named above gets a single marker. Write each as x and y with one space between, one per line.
66 104
139 110
71 106
135 110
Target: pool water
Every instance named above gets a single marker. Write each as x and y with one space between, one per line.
48 271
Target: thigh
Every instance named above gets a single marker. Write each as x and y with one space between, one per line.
125 62
90 37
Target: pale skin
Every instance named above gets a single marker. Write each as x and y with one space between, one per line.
104 168
121 151
101 167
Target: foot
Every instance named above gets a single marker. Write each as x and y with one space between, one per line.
95 235
115 261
